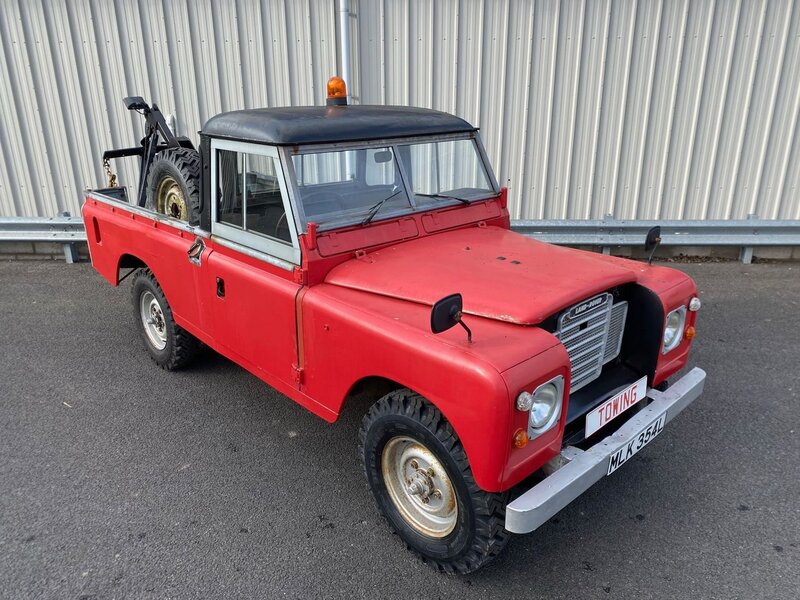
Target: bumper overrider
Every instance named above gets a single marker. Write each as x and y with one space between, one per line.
577 470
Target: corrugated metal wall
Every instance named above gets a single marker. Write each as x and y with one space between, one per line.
65 67
674 109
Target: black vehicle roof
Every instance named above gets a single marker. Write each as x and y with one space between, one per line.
323 124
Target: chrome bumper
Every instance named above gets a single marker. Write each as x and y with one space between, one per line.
580 470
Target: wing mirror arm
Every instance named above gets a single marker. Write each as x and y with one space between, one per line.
464 325
651 242
448 312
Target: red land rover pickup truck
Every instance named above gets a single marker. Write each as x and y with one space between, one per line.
341 249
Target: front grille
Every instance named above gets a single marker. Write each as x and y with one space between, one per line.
592 334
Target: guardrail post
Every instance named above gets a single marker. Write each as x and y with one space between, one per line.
71 255
746 252
607 249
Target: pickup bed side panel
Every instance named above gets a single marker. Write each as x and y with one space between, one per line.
113 232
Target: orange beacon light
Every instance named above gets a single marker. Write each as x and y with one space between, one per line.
337 91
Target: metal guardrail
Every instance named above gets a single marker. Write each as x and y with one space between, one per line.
609 232
605 233
62 229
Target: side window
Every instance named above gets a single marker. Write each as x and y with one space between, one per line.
249 195
265 214
230 209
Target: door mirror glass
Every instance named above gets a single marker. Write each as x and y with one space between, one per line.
446 313
653 239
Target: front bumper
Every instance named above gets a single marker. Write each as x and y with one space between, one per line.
577 470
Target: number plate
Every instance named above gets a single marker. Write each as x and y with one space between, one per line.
636 443
614 407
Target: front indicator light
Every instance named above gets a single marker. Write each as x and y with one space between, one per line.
690 333
520 439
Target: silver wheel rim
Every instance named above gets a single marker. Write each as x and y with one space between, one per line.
155 326
419 487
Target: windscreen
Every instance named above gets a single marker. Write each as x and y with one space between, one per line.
346 187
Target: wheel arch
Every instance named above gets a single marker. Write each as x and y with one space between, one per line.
129 261
374 387
365 391
368 389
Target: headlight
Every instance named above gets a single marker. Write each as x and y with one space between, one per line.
673 330
544 405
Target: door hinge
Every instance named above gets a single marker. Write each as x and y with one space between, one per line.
300 275
298 374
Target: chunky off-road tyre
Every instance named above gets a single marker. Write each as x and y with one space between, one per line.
169 345
173 184
419 476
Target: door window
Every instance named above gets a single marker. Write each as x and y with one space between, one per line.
251 206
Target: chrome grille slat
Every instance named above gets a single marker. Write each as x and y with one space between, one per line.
584 361
585 349
569 337
580 342
582 373
592 335
619 314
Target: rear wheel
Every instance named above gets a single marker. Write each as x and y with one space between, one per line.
422 483
169 345
173 184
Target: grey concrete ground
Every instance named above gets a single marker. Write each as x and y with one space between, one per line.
118 480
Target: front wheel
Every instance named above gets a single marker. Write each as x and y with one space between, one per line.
422 483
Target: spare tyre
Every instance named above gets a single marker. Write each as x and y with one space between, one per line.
173 184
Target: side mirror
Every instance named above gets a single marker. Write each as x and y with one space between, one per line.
653 239
446 313
651 242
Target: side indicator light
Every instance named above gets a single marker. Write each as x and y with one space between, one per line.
690 333
520 438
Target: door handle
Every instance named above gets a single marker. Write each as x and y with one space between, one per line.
195 252
220 287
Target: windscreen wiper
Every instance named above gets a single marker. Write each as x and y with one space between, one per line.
376 207
464 200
